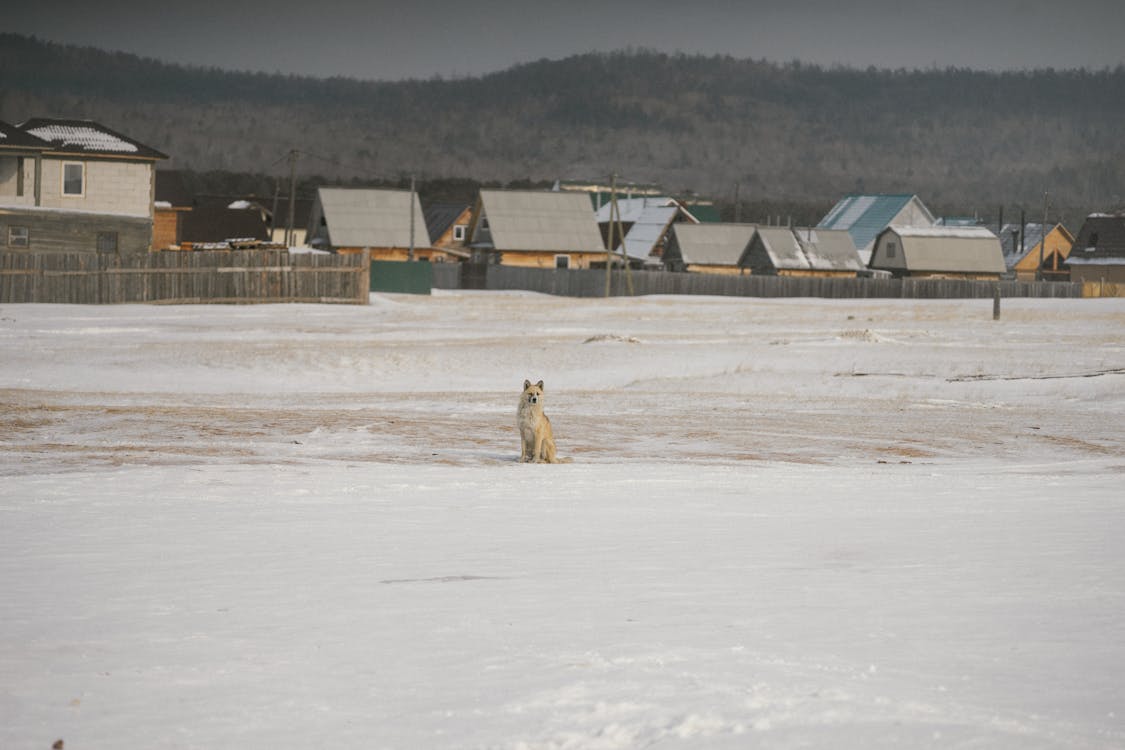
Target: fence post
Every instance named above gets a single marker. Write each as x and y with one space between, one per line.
996 302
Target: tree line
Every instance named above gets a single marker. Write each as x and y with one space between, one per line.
790 134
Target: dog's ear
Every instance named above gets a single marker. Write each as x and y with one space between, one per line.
540 384
526 384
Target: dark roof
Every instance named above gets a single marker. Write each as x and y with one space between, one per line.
172 188
1101 239
88 138
218 223
440 217
14 139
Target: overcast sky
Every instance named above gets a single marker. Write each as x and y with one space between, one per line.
424 38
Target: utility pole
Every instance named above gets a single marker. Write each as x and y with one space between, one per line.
1042 240
737 205
292 196
410 252
612 225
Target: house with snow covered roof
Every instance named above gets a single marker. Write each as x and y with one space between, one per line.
535 228
1023 243
75 186
939 252
1098 255
708 247
785 251
864 216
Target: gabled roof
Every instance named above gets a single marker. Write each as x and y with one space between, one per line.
712 244
441 216
948 250
87 138
1032 236
647 219
1100 241
14 139
809 249
864 216
371 217
539 221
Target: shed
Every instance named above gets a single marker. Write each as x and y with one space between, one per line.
708 247
865 216
541 229
939 252
782 251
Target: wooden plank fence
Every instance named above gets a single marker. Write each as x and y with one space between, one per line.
587 283
235 276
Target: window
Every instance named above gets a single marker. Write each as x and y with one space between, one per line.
562 261
892 248
19 237
107 242
459 232
73 173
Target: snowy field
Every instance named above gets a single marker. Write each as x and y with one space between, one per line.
787 524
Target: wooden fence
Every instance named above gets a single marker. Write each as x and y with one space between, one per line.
585 283
235 276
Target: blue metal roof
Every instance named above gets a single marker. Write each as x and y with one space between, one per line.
864 216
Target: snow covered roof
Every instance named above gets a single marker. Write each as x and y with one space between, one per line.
370 218
14 139
533 220
87 138
805 249
712 244
970 233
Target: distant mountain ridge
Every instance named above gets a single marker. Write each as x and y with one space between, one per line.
690 123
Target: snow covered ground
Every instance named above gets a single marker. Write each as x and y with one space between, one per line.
788 524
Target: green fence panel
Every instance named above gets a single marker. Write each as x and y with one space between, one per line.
404 277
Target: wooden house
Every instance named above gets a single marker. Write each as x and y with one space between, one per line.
448 225
865 216
783 251
646 224
388 223
75 186
1098 254
708 248
538 229
1022 245
939 252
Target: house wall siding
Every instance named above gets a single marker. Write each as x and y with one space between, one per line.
110 187
64 232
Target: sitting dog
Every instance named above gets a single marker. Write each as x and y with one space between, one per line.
537 442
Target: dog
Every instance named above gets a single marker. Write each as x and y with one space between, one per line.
537 441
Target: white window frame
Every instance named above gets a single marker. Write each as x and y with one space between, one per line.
14 230
459 232
62 187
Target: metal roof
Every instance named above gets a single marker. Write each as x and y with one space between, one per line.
541 221
864 216
88 138
810 249
441 216
371 218
1101 240
950 249
713 244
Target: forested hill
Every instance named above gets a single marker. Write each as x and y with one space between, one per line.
958 138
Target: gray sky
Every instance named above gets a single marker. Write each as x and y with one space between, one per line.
423 38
